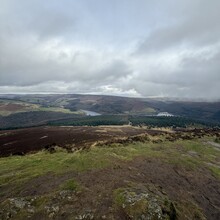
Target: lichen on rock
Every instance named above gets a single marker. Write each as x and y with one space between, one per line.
144 203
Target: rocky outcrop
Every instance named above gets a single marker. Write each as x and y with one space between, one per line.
144 203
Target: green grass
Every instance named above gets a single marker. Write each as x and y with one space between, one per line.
18 169
136 209
70 185
27 107
216 171
118 196
193 154
57 109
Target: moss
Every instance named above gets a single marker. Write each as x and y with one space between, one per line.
119 197
71 185
40 202
138 208
141 201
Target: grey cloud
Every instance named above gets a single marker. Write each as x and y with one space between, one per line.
36 66
192 70
54 24
30 17
88 47
198 27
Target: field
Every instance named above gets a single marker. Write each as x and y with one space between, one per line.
110 172
8 107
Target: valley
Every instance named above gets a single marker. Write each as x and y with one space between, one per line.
17 111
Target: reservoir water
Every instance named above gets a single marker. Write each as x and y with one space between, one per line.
90 113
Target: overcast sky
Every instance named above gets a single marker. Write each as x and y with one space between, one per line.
137 48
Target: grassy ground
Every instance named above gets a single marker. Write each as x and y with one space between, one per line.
192 154
57 109
8 107
17 171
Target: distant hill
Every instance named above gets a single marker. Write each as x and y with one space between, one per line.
31 110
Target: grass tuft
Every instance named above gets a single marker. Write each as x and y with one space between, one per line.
70 185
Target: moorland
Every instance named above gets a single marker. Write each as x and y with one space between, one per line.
57 162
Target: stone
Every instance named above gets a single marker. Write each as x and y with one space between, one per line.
144 203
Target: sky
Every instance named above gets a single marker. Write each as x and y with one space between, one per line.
136 48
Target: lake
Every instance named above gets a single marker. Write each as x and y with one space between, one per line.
90 113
